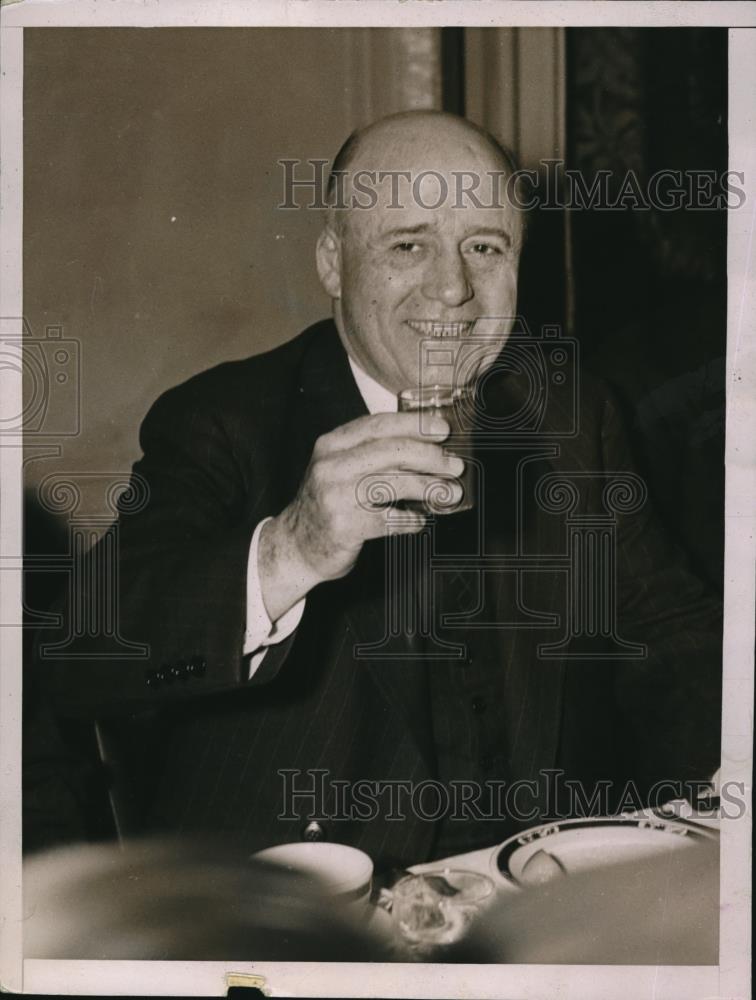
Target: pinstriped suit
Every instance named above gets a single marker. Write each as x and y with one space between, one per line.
230 447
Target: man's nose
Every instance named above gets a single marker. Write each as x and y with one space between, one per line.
447 281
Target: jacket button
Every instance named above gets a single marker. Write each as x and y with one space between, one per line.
314 831
479 704
197 666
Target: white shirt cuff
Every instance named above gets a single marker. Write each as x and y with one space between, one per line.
260 631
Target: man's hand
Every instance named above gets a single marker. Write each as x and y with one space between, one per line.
355 472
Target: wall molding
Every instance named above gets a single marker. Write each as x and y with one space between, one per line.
515 84
399 69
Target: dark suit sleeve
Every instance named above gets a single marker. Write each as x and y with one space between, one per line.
179 576
670 700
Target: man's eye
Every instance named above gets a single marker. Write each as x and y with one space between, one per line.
406 247
485 249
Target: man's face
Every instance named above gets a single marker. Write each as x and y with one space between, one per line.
413 273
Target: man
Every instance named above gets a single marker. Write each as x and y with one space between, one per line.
260 576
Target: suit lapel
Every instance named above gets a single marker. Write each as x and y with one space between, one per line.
325 397
328 397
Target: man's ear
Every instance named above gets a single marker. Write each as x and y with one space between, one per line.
328 259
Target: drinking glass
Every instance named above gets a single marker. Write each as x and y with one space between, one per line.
456 406
435 908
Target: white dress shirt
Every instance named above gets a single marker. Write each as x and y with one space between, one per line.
261 632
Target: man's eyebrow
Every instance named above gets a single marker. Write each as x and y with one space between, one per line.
424 227
421 227
491 231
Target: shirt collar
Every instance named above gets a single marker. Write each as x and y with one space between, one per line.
377 398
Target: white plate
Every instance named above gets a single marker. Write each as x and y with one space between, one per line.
337 868
581 844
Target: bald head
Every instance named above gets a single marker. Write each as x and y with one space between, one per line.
390 159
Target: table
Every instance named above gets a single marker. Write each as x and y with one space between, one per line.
600 892
480 860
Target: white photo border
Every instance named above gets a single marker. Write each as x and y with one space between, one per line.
731 977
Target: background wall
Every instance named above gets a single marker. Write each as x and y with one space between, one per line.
151 183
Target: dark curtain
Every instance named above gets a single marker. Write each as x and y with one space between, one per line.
649 287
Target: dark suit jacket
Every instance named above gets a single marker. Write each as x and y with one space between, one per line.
230 447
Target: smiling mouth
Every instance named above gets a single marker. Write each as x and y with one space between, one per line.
434 328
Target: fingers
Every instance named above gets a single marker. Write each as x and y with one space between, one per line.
437 497
357 478
393 454
410 523
377 491
379 426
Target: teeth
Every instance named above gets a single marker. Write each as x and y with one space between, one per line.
431 328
